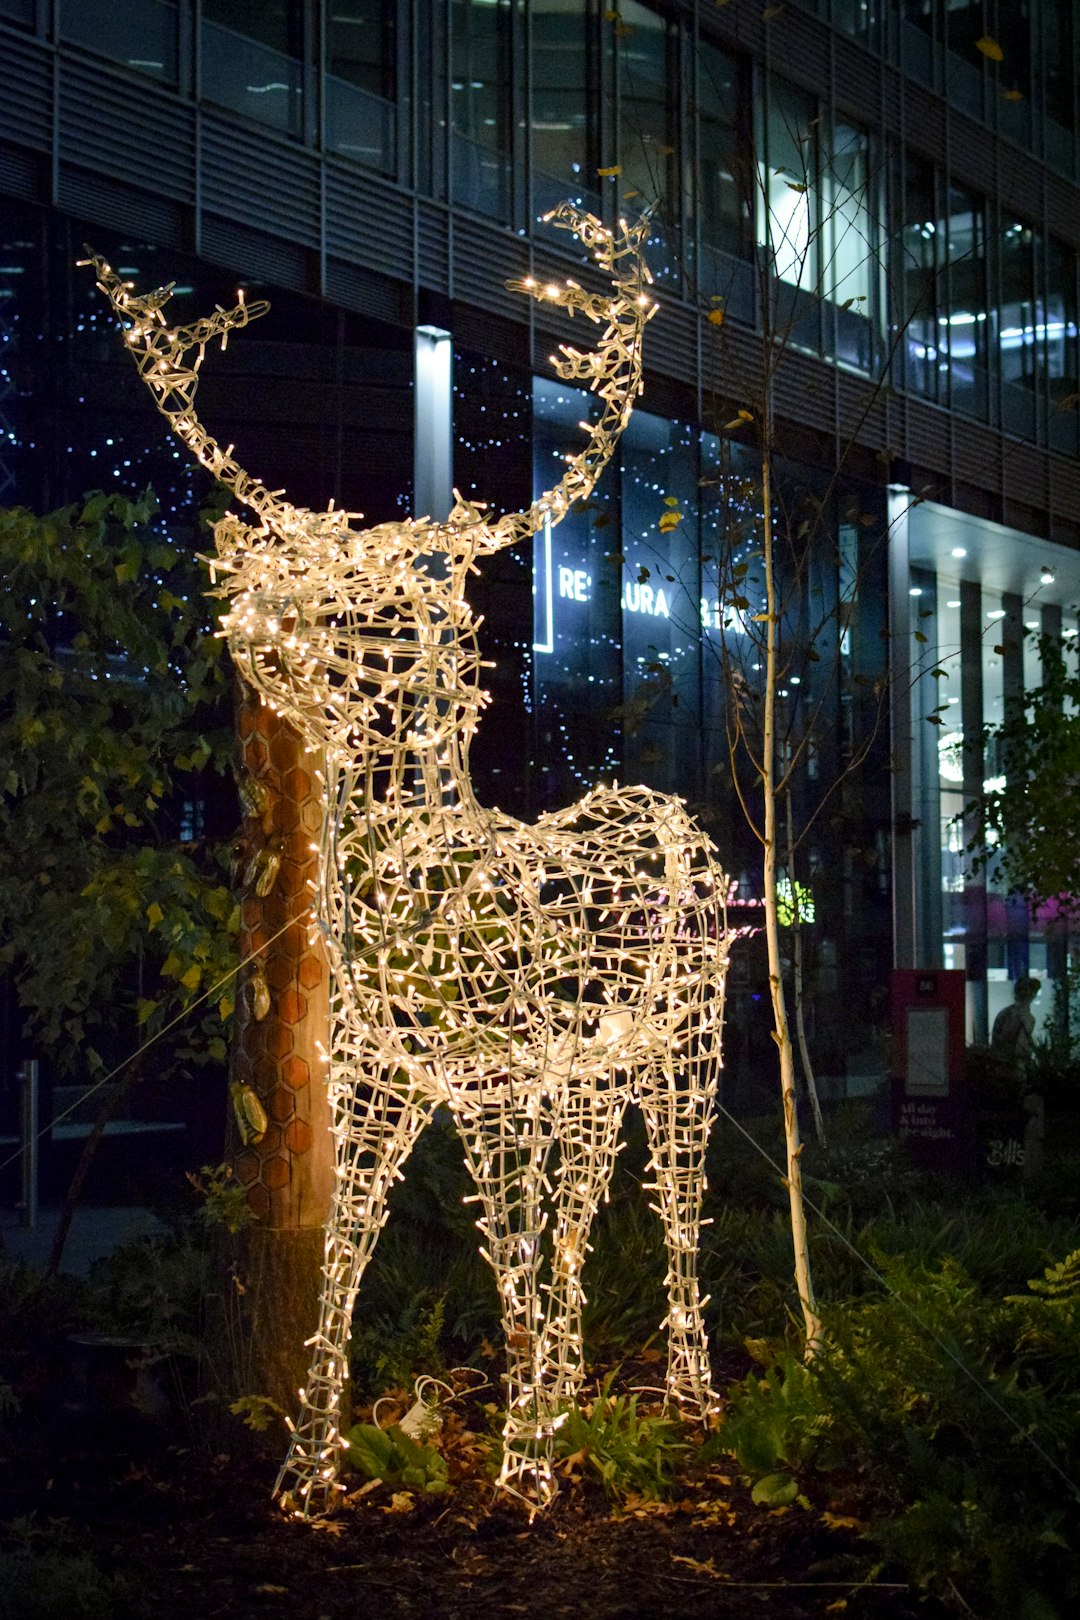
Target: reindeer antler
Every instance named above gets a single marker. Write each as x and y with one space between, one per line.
612 370
169 359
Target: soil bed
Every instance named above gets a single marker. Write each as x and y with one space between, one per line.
177 1535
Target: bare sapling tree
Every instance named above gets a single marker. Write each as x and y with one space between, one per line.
785 587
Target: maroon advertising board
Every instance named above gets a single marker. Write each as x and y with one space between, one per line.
930 1110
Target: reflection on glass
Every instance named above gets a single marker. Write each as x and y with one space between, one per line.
719 187
861 19
817 218
250 77
962 322
785 188
1021 328
359 125
480 109
1063 383
851 244
142 37
921 249
917 33
360 84
360 44
660 601
1060 32
648 117
648 78
565 103
576 656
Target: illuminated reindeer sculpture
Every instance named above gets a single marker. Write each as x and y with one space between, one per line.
531 979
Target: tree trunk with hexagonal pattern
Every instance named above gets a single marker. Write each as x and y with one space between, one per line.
280 1144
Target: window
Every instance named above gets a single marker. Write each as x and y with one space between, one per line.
1019 327
862 19
361 80
852 260
251 52
817 220
787 180
576 636
648 86
720 186
1063 385
565 104
921 248
917 37
140 37
480 104
1059 32
962 323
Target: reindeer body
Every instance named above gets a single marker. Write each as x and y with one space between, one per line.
534 979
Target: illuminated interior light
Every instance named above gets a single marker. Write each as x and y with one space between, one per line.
451 926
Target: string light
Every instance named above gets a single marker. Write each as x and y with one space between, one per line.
533 978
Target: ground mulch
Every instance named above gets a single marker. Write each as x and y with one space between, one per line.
196 1537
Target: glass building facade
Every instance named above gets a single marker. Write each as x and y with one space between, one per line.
861 191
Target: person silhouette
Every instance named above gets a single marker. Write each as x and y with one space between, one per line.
1012 1038
1012 1043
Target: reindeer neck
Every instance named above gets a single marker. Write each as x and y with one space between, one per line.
397 782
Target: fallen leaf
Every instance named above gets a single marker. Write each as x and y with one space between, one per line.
334 1527
990 48
696 1564
616 168
841 1521
716 317
270 1590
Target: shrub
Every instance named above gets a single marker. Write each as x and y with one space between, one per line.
959 1411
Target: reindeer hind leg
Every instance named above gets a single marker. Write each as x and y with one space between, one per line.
508 1148
679 1111
588 1129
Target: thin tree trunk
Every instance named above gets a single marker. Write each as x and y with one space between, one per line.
115 1097
781 1030
797 976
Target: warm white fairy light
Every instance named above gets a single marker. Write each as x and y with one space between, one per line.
535 979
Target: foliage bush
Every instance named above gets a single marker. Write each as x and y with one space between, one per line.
958 1410
628 1451
395 1458
114 707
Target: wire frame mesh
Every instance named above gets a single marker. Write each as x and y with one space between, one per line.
534 978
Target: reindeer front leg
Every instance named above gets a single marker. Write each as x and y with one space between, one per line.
375 1122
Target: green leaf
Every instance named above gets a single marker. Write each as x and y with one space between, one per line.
370 1450
775 1490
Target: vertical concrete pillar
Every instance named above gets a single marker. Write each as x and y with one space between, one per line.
900 725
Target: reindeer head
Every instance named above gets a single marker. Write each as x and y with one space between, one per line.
359 633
